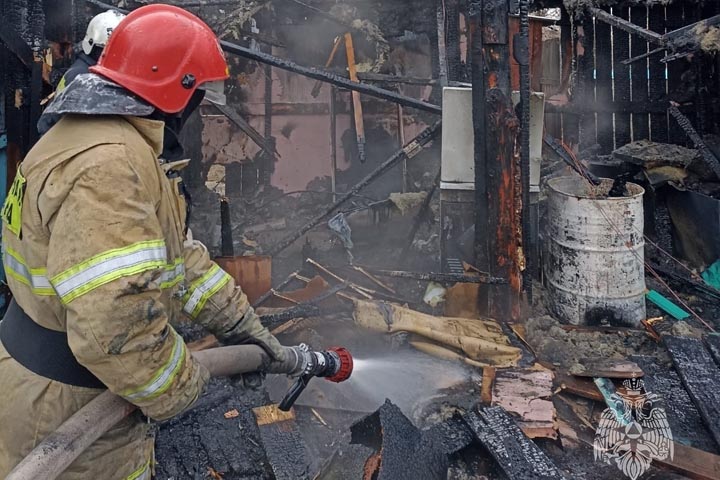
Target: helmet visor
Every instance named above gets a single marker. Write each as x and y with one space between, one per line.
214 91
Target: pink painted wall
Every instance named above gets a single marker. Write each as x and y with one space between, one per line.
303 140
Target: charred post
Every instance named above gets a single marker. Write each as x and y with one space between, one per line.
496 173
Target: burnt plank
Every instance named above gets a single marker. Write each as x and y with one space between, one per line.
700 376
516 454
639 75
657 82
606 368
405 451
283 442
450 436
685 421
603 85
621 77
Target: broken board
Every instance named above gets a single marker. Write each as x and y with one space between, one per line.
515 453
700 376
526 393
685 421
282 441
606 368
581 387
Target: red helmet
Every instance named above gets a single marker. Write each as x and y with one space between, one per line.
163 54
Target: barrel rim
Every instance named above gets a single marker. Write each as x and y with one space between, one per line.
553 185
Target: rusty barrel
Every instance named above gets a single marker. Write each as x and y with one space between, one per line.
594 258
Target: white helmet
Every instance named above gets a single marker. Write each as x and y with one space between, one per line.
99 29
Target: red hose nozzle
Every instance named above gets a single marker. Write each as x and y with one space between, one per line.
345 364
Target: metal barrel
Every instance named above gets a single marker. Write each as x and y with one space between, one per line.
594 258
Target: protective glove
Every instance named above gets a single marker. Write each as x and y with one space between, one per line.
250 330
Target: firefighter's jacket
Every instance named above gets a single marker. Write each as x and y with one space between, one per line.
94 245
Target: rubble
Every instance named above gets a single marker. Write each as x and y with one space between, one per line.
566 348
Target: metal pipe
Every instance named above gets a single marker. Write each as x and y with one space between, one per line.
59 449
325 76
407 152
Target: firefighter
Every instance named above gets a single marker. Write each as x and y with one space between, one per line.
96 255
96 37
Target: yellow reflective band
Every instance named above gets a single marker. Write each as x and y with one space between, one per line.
35 278
174 273
60 86
108 266
142 473
163 378
204 288
12 210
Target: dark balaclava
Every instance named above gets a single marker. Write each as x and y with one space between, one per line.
172 149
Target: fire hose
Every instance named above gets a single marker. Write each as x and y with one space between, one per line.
59 449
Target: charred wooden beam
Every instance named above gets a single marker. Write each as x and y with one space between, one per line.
673 35
700 375
329 77
627 26
405 451
247 129
496 173
383 78
707 155
684 419
407 152
283 442
302 310
516 454
579 168
452 39
227 249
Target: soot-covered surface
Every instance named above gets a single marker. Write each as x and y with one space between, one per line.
187 447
